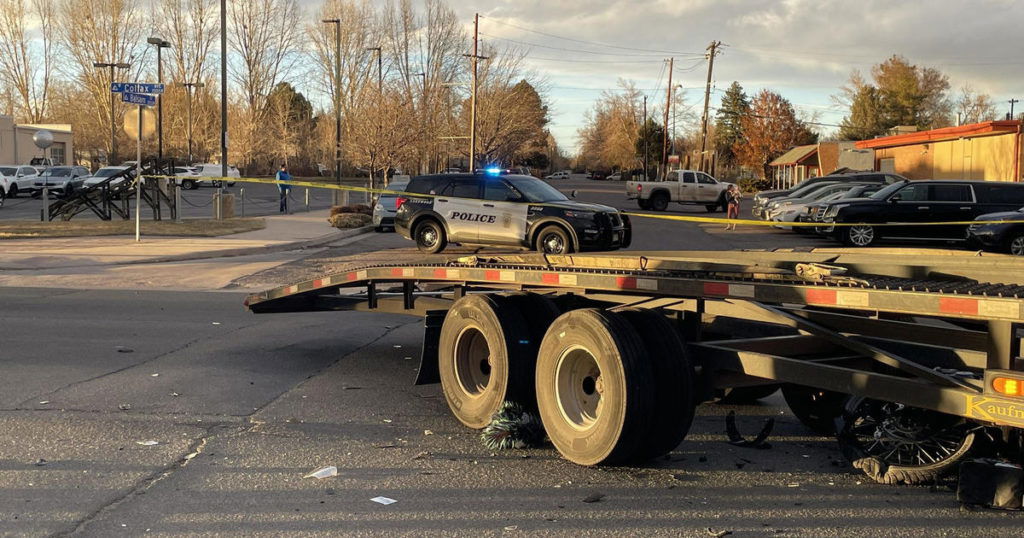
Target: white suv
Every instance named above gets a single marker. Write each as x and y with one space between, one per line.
15 178
216 170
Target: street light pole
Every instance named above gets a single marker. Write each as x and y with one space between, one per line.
380 99
160 44
337 96
189 86
223 88
111 65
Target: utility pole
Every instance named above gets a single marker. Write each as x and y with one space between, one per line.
475 57
644 133
1012 102
664 132
160 44
712 50
223 89
380 103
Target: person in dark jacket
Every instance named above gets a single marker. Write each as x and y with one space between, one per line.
282 188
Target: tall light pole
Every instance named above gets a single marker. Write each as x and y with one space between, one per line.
223 88
111 65
423 107
160 45
380 101
337 96
189 86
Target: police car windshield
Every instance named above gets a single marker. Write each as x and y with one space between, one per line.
535 190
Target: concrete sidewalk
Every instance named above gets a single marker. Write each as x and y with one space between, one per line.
282 233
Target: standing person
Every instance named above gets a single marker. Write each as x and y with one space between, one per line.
732 197
283 189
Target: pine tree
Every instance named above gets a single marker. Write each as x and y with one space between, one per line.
728 129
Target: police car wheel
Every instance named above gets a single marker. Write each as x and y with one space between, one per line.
554 240
430 237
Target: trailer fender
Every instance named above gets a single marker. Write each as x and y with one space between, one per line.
428 372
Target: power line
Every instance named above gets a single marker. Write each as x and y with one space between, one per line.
581 51
677 53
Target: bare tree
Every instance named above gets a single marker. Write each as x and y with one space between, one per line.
612 128
379 135
105 31
974 107
265 37
26 64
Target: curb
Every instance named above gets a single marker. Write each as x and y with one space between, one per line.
230 253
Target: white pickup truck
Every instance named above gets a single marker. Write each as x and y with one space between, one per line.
682 186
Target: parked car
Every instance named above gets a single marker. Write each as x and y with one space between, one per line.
763 198
107 171
564 174
924 201
813 212
793 209
681 186
215 170
999 236
40 163
63 180
386 205
617 176
16 178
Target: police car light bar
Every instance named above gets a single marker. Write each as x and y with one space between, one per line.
493 171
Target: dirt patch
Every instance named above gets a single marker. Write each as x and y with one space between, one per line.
186 228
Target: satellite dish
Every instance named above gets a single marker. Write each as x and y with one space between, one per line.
43 139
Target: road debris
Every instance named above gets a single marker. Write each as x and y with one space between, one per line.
718 534
154 375
383 500
428 432
124 406
323 472
593 498
736 439
147 443
122 349
216 323
44 402
512 427
41 462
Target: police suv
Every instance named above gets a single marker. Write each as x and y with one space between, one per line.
496 208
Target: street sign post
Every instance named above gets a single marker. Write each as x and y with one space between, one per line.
141 94
136 87
138 99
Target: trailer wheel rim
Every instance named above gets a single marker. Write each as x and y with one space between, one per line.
472 361
862 235
578 388
1017 246
906 436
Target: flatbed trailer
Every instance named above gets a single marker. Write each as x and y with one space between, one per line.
909 360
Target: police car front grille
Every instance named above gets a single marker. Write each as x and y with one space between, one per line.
615 219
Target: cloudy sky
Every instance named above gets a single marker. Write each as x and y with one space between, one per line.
803 49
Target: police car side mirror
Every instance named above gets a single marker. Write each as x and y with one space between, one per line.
895 198
573 193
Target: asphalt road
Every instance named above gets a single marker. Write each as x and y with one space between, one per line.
241 407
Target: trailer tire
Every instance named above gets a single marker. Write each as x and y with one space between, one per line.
593 387
746 395
816 409
860 421
674 391
539 312
484 358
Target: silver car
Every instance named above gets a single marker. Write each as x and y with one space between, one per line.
385 206
63 180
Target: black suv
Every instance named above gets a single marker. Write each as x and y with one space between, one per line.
763 198
925 201
494 208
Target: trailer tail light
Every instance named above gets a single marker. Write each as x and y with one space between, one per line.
1008 386
399 200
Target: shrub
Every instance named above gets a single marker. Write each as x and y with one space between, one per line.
346 209
349 220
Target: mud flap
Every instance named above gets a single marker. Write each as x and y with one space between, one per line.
428 372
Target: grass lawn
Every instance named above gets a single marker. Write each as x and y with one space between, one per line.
21 229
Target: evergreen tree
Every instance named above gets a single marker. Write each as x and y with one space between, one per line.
866 119
728 128
652 133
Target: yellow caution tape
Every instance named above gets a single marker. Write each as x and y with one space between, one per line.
679 218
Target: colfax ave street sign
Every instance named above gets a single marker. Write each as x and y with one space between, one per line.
136 87
139 99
